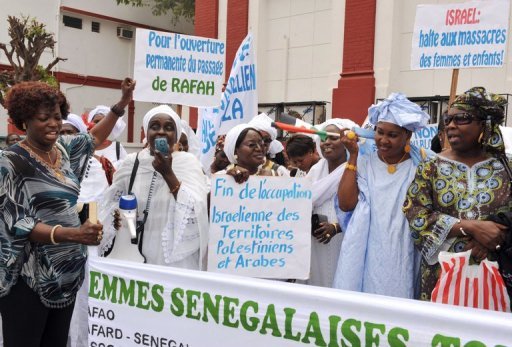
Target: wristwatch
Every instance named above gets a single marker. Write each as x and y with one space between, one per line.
118 111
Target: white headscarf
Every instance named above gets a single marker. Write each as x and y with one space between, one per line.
339 123
162 109
230 141
104 110
77 122
262 122
399 110
194 145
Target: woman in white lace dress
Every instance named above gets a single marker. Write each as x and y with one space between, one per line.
174 187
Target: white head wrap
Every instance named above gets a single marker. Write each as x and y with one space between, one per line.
262 122
339 123
231 138
194 145
399 110
162 109
104 110
77 122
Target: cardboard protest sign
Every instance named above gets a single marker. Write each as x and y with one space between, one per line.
460 35
178 69
260 228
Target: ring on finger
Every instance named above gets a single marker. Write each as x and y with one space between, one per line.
238 172
328 236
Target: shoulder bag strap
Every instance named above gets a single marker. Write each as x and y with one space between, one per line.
134 173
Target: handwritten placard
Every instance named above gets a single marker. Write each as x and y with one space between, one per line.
460 35
260 228
178 69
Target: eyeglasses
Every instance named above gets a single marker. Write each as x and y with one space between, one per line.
459 118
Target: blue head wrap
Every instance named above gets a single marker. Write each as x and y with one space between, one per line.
397 109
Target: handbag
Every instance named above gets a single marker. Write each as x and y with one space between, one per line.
462 284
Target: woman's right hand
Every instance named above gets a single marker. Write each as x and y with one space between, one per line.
239 174
89 234
350 143
488 234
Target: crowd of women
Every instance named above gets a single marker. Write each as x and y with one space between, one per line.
380 217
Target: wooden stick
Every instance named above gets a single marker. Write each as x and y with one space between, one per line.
453 87
93 212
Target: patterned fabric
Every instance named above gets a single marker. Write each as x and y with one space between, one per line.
31 193
444 191
488 107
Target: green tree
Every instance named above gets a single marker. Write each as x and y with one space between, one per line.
29 39
179 8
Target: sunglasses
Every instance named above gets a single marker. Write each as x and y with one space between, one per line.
267 140
459 119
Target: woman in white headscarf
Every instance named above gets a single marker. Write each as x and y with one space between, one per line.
244 149
326 230
378 255
272 146
111 149
176 228
189 142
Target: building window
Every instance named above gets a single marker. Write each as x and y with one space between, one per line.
95 27
72 22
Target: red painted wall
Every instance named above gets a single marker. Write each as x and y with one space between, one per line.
206 25
356 87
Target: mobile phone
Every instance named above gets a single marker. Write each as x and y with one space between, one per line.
162 145
316 219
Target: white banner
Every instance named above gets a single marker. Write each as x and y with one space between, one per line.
460 35
239 101
146 305
260 228
178 69
423 137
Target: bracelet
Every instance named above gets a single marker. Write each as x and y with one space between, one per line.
464 233
117 110
335 227
175 189
52 233
351 167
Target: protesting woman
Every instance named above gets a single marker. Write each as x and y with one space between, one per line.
171 198
244 149
42 254
327 231
377 254
453 194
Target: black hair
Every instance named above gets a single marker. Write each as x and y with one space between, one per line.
299 145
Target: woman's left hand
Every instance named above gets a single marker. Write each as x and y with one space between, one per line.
325 233
478 251
162 163
127 87
239 174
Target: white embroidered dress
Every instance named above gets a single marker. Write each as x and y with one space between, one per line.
176 230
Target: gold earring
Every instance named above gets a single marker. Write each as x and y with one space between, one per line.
480 137
407 147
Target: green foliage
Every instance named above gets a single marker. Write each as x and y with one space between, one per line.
178 8
29 40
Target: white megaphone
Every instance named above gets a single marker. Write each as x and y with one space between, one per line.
128 207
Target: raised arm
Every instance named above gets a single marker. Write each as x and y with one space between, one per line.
348 192
101 130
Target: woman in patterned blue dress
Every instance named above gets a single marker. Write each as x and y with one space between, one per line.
42 243
454 193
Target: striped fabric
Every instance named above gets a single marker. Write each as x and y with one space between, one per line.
478 286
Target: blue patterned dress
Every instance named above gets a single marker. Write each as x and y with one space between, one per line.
443 191
33 192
